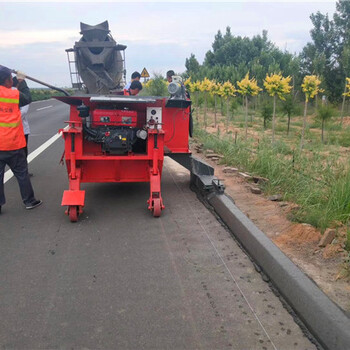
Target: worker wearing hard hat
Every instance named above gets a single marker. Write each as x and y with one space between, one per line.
12 140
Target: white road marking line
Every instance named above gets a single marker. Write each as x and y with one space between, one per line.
50 99
34 154
39 109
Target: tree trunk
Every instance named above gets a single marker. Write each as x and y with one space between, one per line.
273 119
227 112
288 124
316 101
251 115
246 117
304 127
215 120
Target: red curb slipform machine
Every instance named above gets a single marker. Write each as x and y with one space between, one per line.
111 137
125 142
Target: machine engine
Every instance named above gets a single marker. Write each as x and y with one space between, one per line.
114 140
177 89
114 129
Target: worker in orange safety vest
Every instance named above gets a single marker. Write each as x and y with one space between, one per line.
12 140
134 89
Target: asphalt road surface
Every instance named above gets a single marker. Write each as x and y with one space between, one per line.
121 279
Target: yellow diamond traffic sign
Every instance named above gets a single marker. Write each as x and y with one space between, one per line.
144 73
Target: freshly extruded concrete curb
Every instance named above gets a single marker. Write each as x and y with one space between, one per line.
324 319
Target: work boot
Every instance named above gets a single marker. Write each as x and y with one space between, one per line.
34 204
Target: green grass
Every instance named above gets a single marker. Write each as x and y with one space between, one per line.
317 179
334 127
316 183
342 139
298 123
281 128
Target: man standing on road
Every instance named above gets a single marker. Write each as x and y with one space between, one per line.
12 140
24 111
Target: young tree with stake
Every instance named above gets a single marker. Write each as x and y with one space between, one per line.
215 91
345 95
205 87
227 90
276 85
324 113
247 87
195 88
310 87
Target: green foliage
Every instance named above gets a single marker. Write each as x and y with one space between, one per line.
232 56
342 140
327 55
289 106
334 126
192 65
325 112
266 111
45 94
317 183
155 87
233 105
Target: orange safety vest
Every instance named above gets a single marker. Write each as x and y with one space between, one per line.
11 128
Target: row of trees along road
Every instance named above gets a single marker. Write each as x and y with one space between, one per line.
327 56
275 85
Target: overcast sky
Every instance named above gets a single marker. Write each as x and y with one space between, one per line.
159 35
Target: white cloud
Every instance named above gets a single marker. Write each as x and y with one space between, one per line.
25 37
159 35
10 39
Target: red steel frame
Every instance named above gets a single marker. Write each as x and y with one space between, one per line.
86 162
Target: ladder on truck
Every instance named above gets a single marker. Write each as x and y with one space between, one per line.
74 75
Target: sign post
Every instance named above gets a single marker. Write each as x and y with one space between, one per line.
144 74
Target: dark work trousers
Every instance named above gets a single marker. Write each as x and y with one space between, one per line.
17 161
26 148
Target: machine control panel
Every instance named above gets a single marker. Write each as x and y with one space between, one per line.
114 117
154 113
